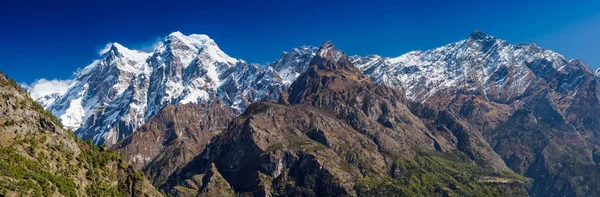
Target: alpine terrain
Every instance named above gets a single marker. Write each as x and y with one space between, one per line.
478 117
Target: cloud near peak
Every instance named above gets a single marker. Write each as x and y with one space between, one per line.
43 87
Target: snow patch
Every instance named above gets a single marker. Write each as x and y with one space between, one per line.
195 97
73 116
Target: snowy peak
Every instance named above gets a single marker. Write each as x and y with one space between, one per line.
196 44
197 41
117 93
291 64
331 72
480 64
328 52
119 50
479 35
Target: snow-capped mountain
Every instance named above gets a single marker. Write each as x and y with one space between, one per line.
483 64
116 94
99 88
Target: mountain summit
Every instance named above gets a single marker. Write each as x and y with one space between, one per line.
330 68
478 35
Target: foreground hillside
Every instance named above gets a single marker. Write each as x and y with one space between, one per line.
39 158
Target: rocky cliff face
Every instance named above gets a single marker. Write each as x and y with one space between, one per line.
174 137
335 132
39 158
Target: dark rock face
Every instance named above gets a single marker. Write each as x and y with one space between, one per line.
336 133
174 136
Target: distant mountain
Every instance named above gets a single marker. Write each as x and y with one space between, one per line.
40 158
47 100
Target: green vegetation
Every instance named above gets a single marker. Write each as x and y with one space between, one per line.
33 177
27 173
98 163
439 174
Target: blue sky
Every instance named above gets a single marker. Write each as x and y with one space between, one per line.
48 39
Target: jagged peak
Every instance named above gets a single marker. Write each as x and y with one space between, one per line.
330 58
120 50
326 47
304 48
117 46
331 71
176 34
329 51
111 47
201 39
479 35
201 42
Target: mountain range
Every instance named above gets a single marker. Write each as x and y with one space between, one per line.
318 122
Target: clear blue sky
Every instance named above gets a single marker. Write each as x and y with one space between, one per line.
48 39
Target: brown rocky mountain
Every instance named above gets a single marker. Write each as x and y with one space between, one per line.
547 131
39 158
174 136
337 133
537 136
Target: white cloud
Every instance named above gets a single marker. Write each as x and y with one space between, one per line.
105 49
43 87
